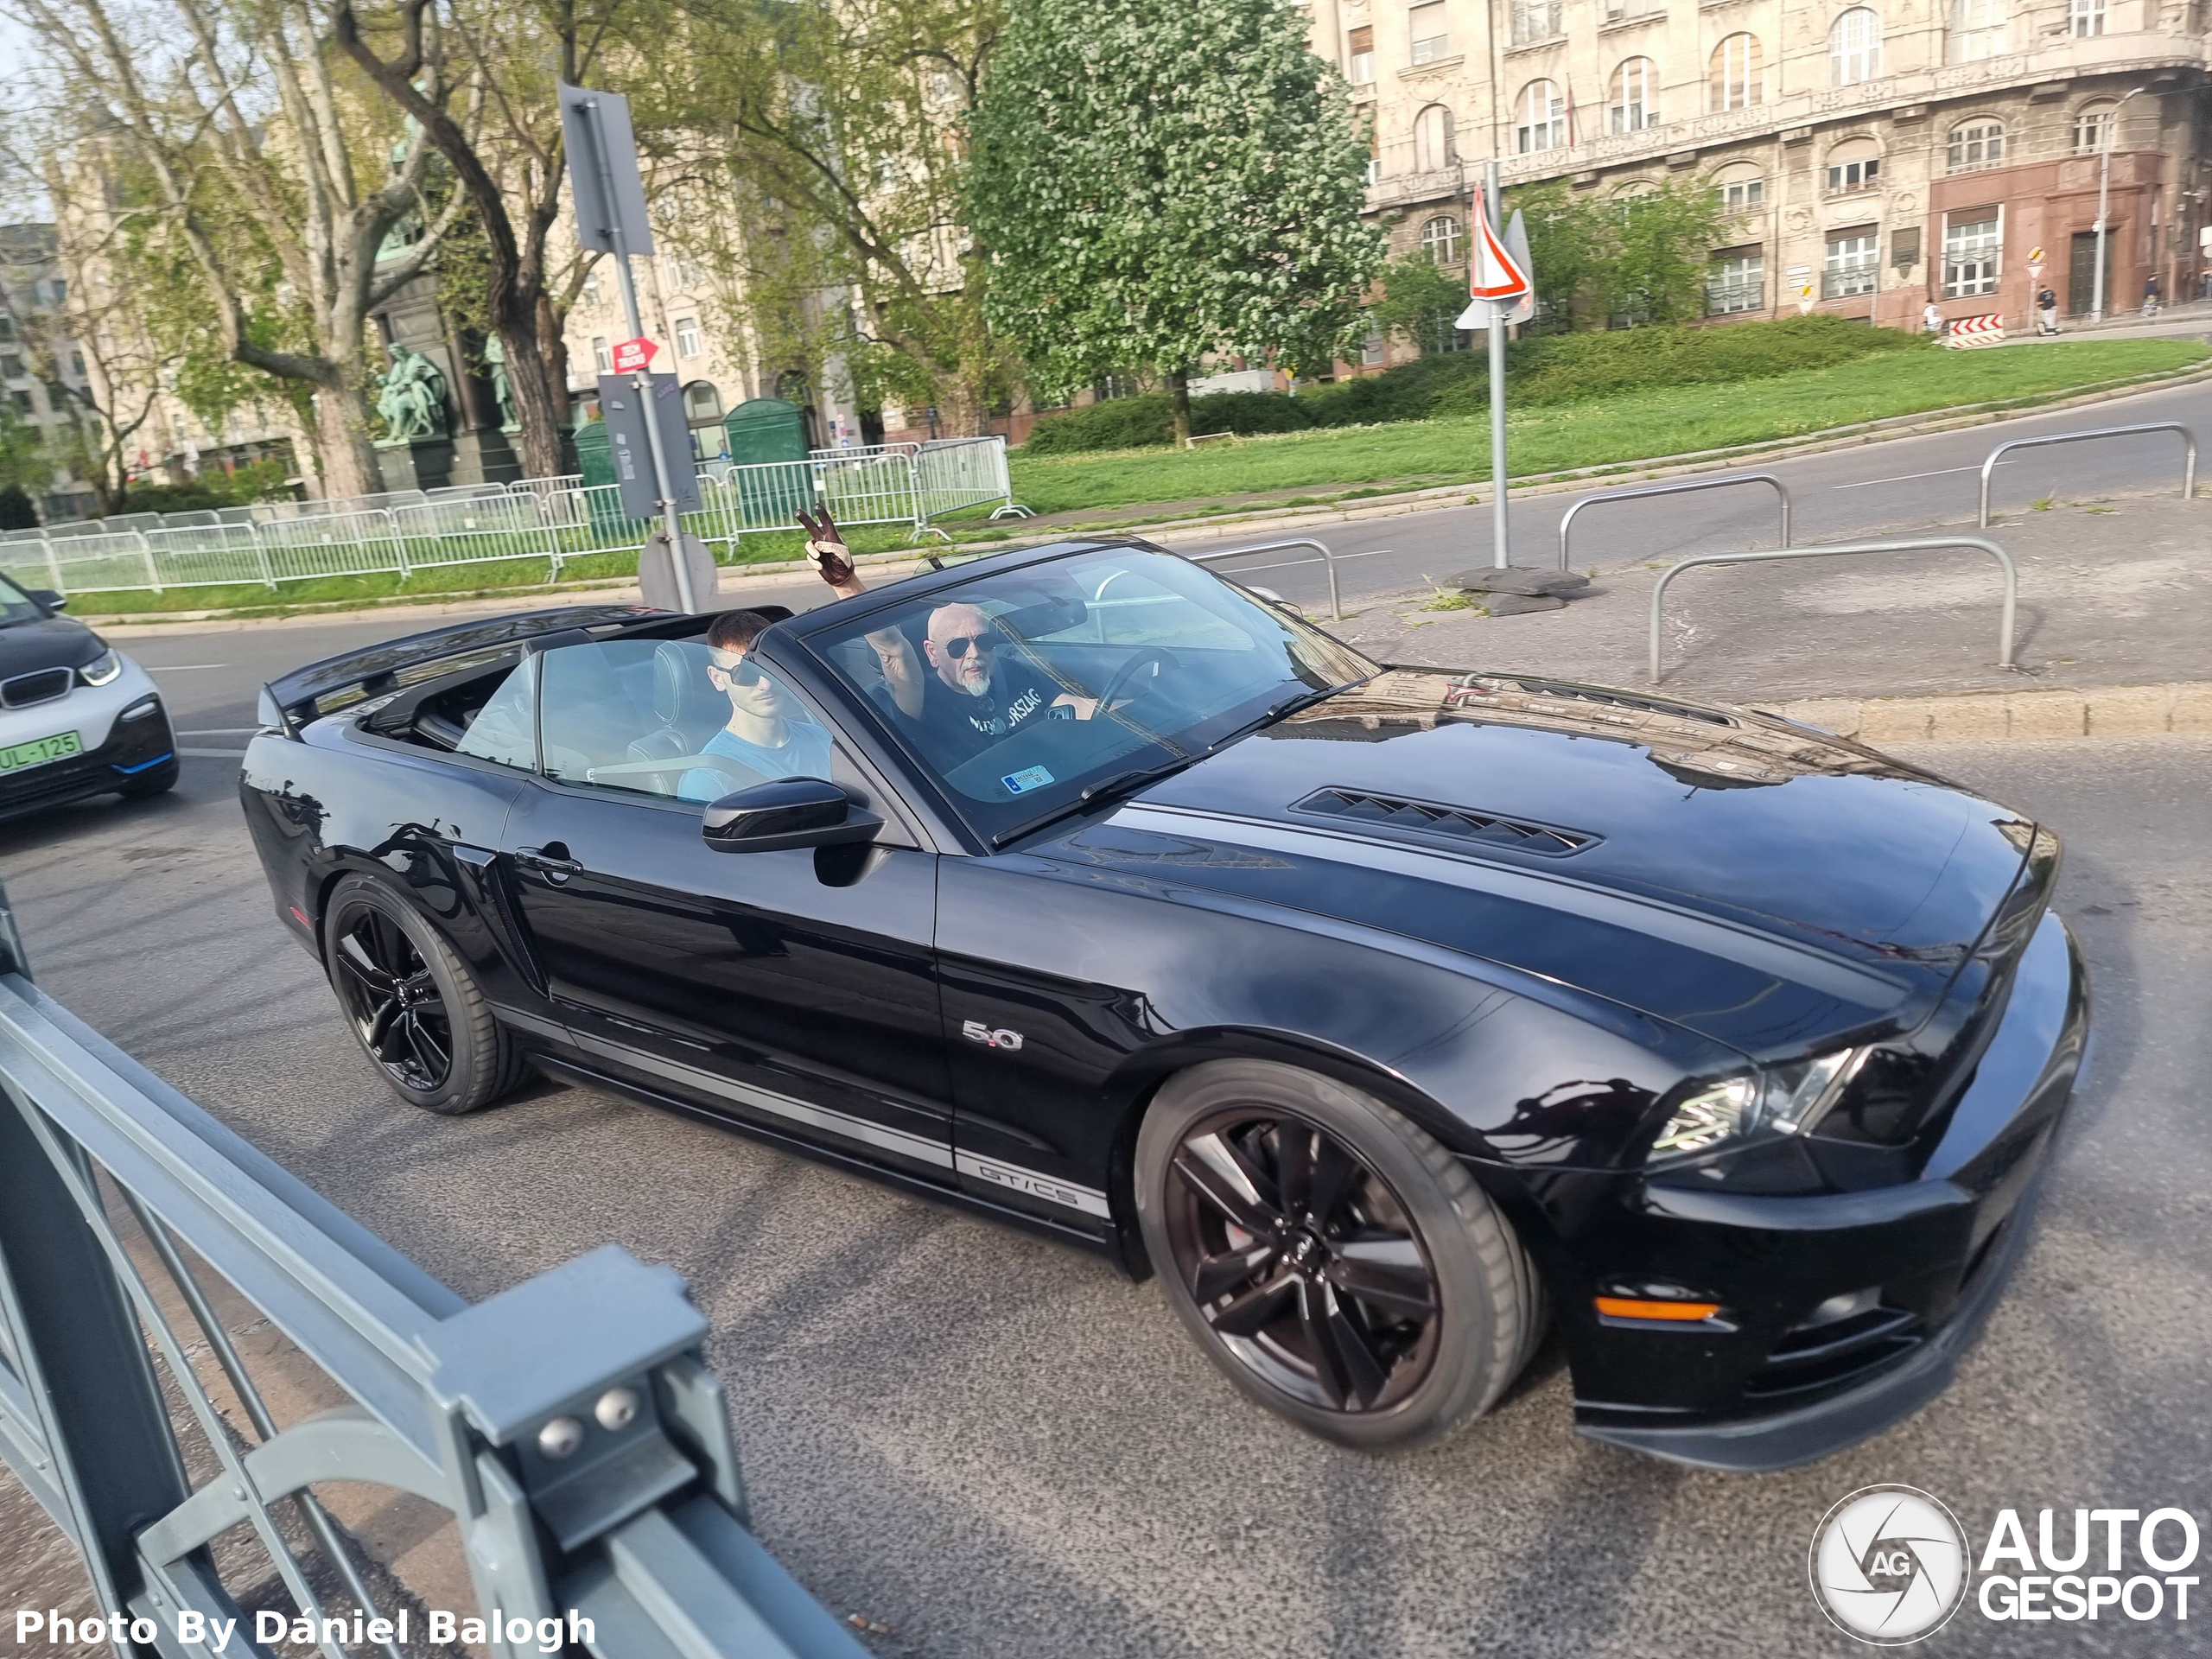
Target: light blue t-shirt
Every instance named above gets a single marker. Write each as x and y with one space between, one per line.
804 754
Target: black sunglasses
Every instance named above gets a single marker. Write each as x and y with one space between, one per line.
744 673
957 648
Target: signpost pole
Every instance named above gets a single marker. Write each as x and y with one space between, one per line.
641 379
1501 517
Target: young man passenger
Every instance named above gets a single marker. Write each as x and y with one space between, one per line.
766 732
972 694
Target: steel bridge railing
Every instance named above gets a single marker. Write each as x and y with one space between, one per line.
1567 521
1933 544
568 1424
1328 561
2188 461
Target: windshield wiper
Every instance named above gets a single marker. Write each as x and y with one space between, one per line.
1277 711
1122 782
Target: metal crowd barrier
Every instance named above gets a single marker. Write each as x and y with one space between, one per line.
2188 462
569 1425
1328 561
1780 489
1933 544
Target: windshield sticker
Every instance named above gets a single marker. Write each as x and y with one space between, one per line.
1033 778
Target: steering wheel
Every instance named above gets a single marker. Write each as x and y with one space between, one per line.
1157 657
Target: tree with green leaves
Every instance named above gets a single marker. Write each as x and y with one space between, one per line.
1160 181
1642 258
1422 301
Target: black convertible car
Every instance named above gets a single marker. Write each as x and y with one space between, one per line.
1387 1015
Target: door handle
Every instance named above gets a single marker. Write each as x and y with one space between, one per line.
551 861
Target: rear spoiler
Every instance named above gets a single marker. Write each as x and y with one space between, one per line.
291 701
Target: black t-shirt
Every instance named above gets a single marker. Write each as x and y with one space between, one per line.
955 726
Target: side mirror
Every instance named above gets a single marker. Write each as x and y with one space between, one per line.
47 600
788 812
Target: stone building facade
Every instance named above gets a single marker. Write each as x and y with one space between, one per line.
1876 156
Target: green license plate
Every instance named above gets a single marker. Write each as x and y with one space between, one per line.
39 750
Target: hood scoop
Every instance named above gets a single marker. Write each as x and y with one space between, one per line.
1458 825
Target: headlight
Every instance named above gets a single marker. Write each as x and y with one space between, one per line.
102 670
1785 1099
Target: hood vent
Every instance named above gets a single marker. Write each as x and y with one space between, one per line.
1455 823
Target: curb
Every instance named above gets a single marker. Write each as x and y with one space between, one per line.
2179 707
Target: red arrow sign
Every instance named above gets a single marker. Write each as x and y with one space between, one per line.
633 354
1493 273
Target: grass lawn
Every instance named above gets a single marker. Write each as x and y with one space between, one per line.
1630 427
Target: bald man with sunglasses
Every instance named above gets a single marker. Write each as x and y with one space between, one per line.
975 689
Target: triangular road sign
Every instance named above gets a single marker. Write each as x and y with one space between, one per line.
1493 273
1518 306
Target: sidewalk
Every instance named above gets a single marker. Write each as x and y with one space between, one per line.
2115 599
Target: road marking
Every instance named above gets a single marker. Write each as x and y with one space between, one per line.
1371 553
178 668
1903 478
213 754
219 731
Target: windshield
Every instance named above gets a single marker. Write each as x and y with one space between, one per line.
1022 690
15 605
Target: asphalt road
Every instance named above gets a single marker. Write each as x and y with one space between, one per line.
997 1447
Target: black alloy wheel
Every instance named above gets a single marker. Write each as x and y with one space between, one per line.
414 1006
1339 1264
393 1001
1302 1260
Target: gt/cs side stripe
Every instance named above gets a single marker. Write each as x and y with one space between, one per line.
996 1171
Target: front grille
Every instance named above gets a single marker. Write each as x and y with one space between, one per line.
1824 1356
1457 824
44 686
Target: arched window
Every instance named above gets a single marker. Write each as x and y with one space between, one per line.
1855 48
1542 118
1979 29
1739 79
702 401
1633 103
1439 239
1742 187
1433 146
1853 165
2090 122
1976 144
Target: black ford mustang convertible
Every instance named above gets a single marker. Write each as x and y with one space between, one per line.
1386 1015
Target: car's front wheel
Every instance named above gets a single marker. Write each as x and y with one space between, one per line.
413 1005
1336 1262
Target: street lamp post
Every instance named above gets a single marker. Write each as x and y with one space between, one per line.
2104 193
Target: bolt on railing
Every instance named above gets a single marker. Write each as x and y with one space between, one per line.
2188 462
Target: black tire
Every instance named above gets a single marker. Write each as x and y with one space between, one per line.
414 1006
1315 1309
159 780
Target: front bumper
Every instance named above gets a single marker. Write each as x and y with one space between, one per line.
116 749
1763 1385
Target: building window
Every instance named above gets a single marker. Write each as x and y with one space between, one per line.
1975 145
702 402
1430 34
602 356
1360 48
58 290
1372 352
2090 126
23 401
1853 165
1633 103
1433 148
1738 79
1736 282
1979 29
1542 125
1439 239
11 365
1854 260
1535 20
77 364
1970 253
591 287
687 337
2085 17
1855 48
1741 191
7 327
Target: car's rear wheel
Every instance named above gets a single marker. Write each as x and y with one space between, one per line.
414 1008
1340 1265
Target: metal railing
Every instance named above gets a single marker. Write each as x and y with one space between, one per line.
1933 544
1328 560
1780 489
2188 462
568 1424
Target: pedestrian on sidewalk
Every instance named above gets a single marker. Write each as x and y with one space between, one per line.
2150 295
2047 311
1932 318
2204 284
